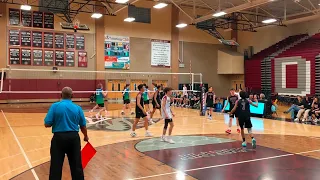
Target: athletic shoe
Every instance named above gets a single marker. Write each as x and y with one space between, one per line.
228 131
254 143
238 130
169 140
150 121
244 144
133 134
303 120
148 134
296 120
163 139
210 117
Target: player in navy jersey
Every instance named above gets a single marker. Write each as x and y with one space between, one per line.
242 106
210 101
156 102
232 99
140 113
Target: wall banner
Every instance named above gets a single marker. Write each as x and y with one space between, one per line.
160 53
116 52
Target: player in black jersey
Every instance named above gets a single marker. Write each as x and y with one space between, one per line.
210 101
243 108
156 102
232 99
140 113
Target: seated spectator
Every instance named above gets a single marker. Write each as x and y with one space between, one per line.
255 97
251 97
92 98
268 105
218 106
305 111
295 107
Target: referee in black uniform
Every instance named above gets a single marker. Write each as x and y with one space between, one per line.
65 117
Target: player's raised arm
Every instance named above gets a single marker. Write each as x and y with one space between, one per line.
253 104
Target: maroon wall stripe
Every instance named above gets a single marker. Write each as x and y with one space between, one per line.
292 76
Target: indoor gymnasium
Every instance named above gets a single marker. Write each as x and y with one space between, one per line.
159 89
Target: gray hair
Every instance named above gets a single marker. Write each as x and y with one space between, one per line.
66 93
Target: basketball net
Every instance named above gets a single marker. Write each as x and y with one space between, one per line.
76 24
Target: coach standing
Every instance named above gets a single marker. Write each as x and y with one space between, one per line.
65 117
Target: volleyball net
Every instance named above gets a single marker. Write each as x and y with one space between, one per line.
48 83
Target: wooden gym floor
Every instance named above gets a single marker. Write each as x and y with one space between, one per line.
202 151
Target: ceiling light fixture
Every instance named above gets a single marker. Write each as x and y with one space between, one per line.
181 25
218 14
267 21
25 7
96 15
129 19
160 5
121 1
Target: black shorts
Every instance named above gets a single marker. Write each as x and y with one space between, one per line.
168 120
101 105
140 114
127 101
245 122
236 114
210 105
146 102
155 105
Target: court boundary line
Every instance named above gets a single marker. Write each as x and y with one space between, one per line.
223 165
21 148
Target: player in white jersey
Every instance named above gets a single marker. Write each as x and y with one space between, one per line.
167 115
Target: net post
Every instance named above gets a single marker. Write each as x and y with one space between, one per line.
2 77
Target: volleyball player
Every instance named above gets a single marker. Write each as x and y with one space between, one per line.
167 115
126 100
100 95
156 102
242 106
210 101
140 113
232 99
146 95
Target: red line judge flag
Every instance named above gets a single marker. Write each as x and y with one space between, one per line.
87 154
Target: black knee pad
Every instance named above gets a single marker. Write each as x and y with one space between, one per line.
165 124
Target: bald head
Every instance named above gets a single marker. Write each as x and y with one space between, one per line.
66 93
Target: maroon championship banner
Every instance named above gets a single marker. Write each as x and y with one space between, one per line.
82 59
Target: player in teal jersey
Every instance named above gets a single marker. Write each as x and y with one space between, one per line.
126 99
100 95
146 95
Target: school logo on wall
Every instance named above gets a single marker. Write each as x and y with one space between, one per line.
113 124
292 76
